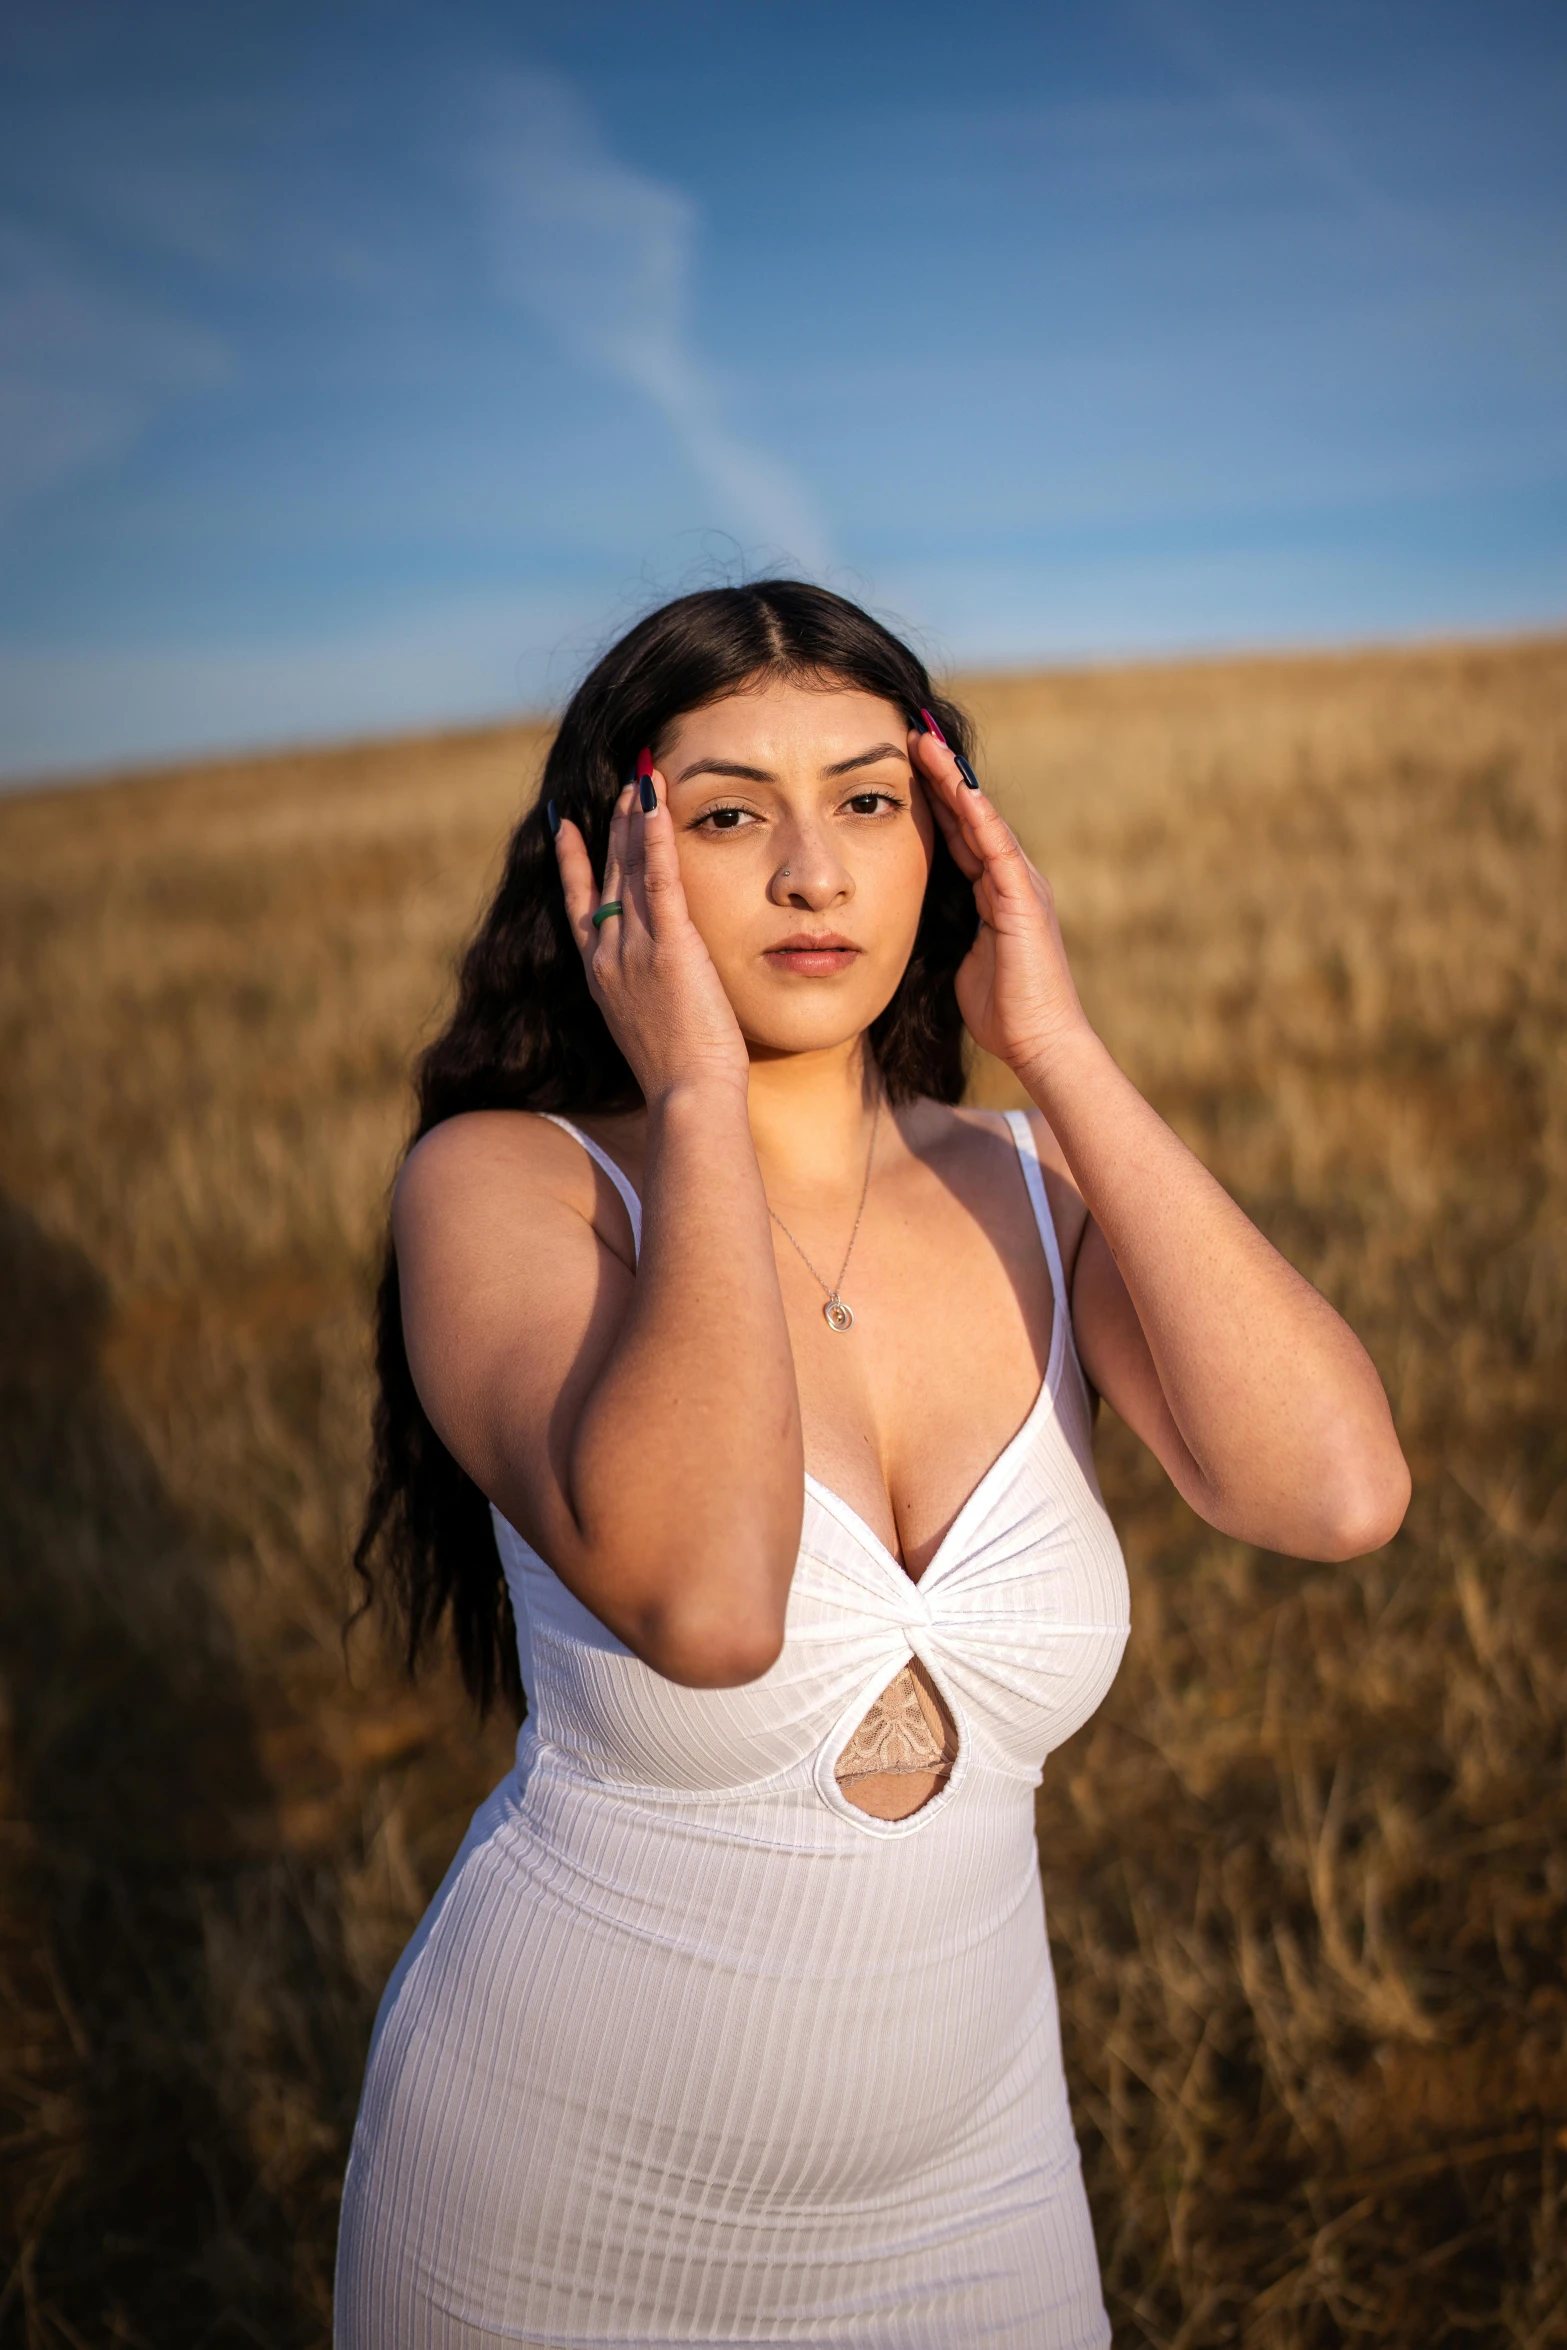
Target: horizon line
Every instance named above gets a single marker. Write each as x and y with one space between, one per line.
279 750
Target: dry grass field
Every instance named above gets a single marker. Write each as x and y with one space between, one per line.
1307 1871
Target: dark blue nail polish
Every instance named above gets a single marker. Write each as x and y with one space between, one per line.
917 724
966 771
552 817
649 796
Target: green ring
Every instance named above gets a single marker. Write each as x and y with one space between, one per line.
610 906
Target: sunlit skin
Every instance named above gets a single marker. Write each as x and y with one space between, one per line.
797 817
650 1434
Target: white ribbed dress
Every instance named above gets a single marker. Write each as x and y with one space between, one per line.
687 2048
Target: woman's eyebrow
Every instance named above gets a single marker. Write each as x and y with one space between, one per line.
726 767
868 758
746 774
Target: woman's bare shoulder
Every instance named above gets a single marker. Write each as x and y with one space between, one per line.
1067 1209
480 1147
484 1166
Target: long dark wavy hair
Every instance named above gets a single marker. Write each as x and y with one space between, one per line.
525 1034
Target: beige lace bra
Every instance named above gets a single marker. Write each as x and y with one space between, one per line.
908 1729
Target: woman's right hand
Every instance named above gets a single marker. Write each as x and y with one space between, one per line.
648 970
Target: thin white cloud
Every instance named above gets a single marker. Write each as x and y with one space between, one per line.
1291 127
601 256
83 369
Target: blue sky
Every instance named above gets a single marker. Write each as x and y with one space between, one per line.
365 366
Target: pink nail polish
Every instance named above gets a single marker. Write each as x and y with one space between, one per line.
644 764
934 728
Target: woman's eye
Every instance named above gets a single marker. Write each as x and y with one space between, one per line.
725 819
867 803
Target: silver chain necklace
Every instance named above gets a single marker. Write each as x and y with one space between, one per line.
836 1313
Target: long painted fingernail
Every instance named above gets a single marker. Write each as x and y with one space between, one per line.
932 728
966 771
649 795
552 817
644 763
917 723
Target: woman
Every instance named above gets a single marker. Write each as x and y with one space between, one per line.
772 1370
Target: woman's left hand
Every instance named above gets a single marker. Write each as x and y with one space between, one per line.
1014 986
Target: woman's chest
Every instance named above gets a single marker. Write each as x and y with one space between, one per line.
1016 1628
904 1409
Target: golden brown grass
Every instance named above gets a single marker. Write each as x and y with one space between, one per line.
1306 1872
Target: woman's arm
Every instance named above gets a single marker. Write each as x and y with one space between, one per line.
645 1432
1258 1399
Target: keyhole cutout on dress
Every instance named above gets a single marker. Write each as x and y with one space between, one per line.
903 1751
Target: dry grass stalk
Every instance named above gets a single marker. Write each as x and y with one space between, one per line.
1306 1872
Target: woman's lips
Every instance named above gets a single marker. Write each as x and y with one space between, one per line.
813 958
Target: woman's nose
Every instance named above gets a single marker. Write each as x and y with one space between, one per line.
811 874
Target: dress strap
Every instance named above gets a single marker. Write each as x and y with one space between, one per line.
1034 1177
621 1182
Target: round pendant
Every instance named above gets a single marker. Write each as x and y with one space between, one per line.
836 1314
